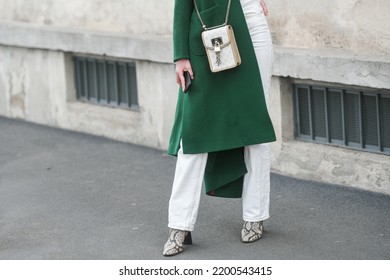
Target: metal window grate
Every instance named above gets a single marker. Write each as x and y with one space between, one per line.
107 82
343 117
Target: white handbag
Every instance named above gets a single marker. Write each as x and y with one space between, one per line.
220 44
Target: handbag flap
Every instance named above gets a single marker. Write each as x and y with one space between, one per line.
215 36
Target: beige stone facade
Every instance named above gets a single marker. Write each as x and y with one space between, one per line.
335 43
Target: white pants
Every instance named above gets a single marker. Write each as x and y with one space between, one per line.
190 168
188 182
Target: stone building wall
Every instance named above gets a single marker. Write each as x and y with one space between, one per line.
355 25
359 26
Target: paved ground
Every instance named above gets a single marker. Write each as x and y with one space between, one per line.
67 195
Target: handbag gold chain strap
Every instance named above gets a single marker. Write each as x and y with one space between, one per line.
204 25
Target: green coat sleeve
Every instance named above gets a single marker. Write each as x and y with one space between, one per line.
181 27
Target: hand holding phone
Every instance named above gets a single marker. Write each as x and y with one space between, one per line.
184 73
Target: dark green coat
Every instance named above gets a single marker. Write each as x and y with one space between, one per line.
222 112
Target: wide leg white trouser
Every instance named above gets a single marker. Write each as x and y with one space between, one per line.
190 168
186 190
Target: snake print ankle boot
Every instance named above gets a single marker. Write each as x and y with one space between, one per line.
175 242
252 231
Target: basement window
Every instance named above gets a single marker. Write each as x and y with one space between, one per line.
343 117
106 82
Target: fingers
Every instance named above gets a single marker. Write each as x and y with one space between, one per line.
178 79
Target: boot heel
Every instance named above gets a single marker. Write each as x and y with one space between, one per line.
188 239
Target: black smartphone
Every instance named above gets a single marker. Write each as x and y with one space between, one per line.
188 81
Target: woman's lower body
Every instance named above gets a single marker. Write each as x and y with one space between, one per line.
188 182
190 168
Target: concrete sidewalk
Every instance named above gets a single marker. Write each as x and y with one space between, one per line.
67 195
